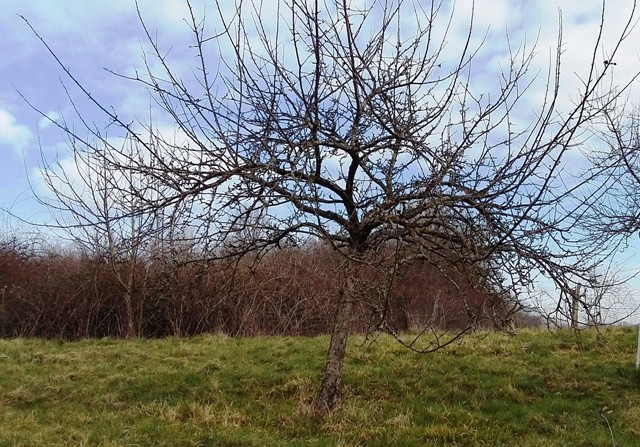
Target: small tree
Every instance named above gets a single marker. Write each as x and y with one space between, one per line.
619 158
359 126
87 200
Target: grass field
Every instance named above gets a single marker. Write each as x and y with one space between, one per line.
531 389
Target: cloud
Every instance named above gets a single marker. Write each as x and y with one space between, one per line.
48 120
12 134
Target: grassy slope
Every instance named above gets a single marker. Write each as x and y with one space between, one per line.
533 389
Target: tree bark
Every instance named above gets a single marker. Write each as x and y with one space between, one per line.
130 324
329 391
575 303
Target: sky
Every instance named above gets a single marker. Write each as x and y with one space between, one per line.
94 37
91 37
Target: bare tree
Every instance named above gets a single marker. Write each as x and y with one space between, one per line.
619 157
616 163
359 126
87 200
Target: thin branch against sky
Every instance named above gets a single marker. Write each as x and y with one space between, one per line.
91 37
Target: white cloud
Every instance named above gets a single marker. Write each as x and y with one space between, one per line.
13 134
48 120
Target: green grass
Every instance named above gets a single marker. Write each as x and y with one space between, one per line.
532 389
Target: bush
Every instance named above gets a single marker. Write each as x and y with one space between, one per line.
289 292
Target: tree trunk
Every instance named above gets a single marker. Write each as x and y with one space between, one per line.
575 305
329 391
130 323
130 315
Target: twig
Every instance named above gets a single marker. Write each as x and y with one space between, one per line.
613 439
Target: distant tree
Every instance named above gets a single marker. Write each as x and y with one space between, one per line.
615 162
87 200
619 157
360 126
